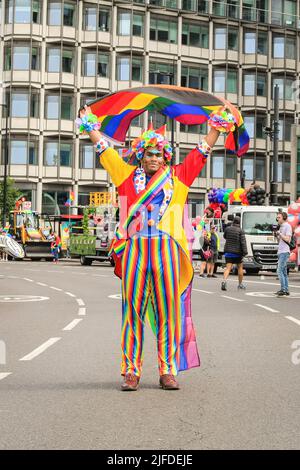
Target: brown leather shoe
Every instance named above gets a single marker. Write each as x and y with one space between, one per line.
131 383
168 382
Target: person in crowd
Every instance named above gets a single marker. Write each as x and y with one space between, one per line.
235 249
283 235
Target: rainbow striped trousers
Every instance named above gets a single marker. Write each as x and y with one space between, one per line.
150 271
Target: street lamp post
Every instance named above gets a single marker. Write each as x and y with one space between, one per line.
5 168
273 133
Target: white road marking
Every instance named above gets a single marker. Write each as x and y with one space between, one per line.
115 296
22 298
4 374
232 298
55 288
100 275
26 279
80 302
205 291
71 325
295 320
293 295
42 284
267 308
36 352
70 294
82 311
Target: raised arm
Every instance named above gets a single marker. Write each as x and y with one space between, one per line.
109 158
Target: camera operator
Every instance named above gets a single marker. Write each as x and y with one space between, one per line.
283 235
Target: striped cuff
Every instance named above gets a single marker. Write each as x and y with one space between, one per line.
204 148
100 146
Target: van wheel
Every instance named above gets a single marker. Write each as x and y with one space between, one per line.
85 261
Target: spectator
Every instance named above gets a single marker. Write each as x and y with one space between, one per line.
55 247
214 248
235 249
283 236
204 247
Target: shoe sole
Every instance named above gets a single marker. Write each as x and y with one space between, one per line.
129 389
169 389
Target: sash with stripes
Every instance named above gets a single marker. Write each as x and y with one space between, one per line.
144 198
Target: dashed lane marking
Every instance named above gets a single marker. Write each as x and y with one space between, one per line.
82 311
39 350
70 294
3 375
232 298
204 291
295 320
267 308
80 302
72 325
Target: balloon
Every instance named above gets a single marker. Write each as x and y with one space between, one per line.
294 208
293 257
293 220
297 232
194 223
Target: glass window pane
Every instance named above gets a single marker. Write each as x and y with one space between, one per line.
89 64
232 81
19 104
90 19
18 152
103 20
32 154
262 43
261 85
67 61
67 111
53 60
51 154
23 11
124 22
260 168
219 80
249 43
220 38
138 25
21 58
69 13
217 166
230 167
290 48
34 105
123 68
65 154
247 165
233 39
87 160
278 47
103 63
35 59
36 11
54 13
52 107
7 58
249 123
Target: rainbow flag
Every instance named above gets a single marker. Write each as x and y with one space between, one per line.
186 105
70 199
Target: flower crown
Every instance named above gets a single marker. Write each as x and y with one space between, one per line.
152 138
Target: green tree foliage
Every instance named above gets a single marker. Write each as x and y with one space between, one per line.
12 195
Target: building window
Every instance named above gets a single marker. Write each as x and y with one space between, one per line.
124 23
21 58
23 104
193 77
87 156
249 123
255 43
284 168
194 129
255 126
255 10
61 13
59 107
226 38
254 84
58 154
225 82
217 166
90 16
162 73
284 47
230 166
123 69
95 64
195 35
23 152
163 30
184 153
286 89
60 60
228 8
260 168
53 202
284 12
23 11
248 168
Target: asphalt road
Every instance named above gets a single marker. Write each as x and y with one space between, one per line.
60 362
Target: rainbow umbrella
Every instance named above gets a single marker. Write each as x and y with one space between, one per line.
186 105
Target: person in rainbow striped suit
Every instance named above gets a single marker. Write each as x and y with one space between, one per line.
151 249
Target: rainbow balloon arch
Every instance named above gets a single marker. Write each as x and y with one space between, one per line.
293 211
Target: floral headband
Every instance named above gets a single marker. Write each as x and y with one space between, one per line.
152 138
